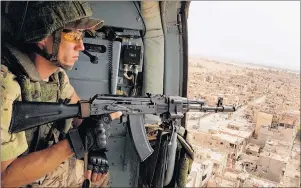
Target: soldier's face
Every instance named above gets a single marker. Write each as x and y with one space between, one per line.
70 46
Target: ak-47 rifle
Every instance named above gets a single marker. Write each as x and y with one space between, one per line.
171 109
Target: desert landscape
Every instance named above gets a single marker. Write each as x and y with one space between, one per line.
256 146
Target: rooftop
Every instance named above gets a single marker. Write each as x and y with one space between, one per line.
248 158
239 124
252 147
221 182
228 138
242 134
276 146
216 156
274 156
259 182
293 169
198 166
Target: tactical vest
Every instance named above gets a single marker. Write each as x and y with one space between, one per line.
33 88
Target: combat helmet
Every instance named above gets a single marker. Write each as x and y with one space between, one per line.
32 21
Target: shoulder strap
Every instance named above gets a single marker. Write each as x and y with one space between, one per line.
18 71
19 63
13 67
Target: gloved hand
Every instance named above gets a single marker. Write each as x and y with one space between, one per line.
98 162
93 130
97 170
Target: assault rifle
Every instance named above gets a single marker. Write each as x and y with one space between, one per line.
27 115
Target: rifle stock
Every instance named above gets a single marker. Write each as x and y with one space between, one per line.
28 115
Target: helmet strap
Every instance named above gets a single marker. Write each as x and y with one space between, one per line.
55 51
55 47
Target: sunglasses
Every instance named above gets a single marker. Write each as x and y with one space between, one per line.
72 35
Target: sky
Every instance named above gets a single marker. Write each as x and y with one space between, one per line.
260 32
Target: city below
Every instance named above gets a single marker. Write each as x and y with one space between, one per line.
256 146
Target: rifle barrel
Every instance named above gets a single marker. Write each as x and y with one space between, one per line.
211 108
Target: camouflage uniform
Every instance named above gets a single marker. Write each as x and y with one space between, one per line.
41 21
69 173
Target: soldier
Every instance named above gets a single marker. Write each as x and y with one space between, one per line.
44 39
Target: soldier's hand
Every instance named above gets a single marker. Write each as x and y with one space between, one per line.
98 180
115 115
93 130
98 165
97 168
77 121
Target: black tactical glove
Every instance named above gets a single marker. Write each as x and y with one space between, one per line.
94 130
91 134
98 162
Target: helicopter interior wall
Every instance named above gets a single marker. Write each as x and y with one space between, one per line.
121 14
89 79
173 50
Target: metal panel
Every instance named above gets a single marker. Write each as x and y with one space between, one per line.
89 79
123 161
86 74
172 49
121 14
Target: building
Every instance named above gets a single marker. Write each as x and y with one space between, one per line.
238 129
219 159
220 181
280 133
201 172
262 119
227 143
252 149
291 177
271 166
247 163
253 181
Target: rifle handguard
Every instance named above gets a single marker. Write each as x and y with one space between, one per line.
76 143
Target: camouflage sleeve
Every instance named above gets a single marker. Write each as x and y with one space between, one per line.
12 145
67 88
